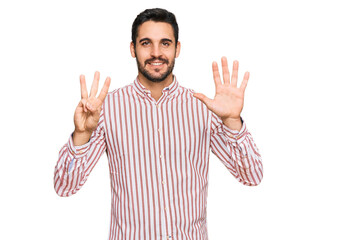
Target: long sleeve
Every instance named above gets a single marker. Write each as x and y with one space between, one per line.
76 162
237 151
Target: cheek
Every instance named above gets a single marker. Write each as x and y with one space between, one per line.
169 53
141 53
141 59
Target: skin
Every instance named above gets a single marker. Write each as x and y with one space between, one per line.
155 40
87 113
229 99
155 43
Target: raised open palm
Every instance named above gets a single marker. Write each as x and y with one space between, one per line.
87 113
229 99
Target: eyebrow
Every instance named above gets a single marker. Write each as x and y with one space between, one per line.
166 40
162 40
144 39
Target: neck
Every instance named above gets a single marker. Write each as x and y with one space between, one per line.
155 88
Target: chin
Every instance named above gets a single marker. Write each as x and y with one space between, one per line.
159 77
156 78
156 75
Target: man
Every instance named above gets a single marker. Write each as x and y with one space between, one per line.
158 136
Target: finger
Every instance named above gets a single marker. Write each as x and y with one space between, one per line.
94 89
234 74
216 76
87 105
103 93
91 106
83 103
244 82
225 70
203 98
84 92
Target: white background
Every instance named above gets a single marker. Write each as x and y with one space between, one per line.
302 108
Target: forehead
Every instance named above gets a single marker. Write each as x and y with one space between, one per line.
155 30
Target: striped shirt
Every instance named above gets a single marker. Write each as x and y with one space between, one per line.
158 153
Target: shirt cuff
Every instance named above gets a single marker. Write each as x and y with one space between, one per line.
235 136
77 151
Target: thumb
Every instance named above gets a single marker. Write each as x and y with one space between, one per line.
203 98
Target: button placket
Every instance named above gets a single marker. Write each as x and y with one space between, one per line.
158 132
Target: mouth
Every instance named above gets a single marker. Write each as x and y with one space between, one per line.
156 62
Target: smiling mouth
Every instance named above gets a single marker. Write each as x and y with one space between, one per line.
156 63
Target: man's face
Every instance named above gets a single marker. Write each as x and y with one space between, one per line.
155 50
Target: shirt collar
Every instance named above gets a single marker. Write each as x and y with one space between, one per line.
141 90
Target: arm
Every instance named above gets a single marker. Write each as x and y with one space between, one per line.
230 139
76 162
87 143
237 151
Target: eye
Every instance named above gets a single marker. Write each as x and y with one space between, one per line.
145 43
166 44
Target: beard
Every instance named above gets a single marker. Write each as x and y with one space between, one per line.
152 77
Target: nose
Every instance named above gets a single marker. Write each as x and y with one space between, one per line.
156 51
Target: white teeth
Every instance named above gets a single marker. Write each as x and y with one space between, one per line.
157 64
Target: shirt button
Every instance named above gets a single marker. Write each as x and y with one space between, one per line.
163 182
158 129
160 156
165 209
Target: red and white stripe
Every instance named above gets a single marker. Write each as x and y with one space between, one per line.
158 159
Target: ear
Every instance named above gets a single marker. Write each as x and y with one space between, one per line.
132 49
177 51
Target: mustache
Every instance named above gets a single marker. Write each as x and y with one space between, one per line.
148 61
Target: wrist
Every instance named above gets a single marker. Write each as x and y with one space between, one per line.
233 123
81 137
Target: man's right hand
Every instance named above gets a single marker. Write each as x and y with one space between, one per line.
87 113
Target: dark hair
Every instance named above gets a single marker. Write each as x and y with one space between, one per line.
156 15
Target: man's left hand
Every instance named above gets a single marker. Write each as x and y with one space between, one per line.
228 101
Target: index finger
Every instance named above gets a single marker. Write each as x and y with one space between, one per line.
84 92
216 76
103 93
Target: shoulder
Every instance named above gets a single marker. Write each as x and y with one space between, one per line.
115 96
120 91
187 93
